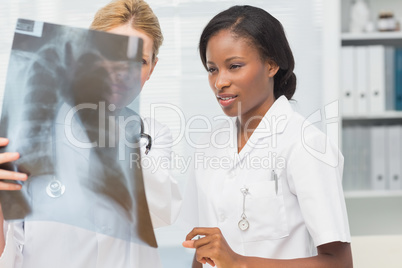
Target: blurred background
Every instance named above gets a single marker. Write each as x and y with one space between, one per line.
179 96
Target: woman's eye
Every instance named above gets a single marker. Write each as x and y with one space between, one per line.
144 62
211 69
235 66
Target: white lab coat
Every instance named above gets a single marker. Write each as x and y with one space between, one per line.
288 218
36 243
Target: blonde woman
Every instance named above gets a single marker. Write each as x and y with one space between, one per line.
52 244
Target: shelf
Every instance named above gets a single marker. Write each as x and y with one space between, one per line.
385 115
374 38
372 194
388 117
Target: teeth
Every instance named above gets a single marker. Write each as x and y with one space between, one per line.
227 98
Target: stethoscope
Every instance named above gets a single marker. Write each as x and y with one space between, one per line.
56 189
147 137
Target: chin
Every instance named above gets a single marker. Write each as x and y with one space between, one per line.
119 101
230 112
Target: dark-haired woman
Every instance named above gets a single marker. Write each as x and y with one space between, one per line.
264 199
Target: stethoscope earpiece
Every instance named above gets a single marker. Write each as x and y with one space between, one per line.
145 136
149 144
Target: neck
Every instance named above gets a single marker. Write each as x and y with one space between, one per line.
248 122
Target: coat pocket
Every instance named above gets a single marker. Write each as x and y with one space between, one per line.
265 211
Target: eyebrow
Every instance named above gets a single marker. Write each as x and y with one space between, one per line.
227 60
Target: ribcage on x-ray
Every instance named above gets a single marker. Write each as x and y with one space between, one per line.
41 101
55 77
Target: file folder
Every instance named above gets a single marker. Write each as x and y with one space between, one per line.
362 79
394 156
398 79
377 79
377 163
348 80
389 78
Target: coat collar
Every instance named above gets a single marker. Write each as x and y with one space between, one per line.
274 122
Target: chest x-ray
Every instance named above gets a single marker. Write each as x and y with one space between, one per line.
68 110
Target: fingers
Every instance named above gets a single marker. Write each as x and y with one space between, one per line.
208 235
8 157
12 175
202 231
209 261
3 141
188 244
212 248
202 253
7 186
203 245
9 175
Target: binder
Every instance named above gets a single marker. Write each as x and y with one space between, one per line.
348 97
358 158
356 151
362 79
362 140
394 156
355 184
389 78
398 79
376 79
347 150
377 163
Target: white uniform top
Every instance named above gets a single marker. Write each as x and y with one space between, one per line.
287 219
49 244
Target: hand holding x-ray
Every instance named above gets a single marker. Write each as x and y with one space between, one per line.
69 112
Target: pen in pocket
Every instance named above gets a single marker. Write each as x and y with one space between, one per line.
274 177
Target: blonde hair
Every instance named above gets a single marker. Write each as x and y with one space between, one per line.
137 13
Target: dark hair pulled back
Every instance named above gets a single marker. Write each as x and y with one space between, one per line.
265 32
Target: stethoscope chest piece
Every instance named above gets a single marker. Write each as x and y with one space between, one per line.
243 224
55 188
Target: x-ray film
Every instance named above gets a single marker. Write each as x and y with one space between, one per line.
69 111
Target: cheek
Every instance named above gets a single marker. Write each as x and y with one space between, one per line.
144 75
211 81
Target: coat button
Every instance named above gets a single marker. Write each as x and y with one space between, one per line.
232 173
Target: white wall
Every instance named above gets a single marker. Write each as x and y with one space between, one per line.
375 6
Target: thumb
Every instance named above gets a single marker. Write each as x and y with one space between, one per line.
188 244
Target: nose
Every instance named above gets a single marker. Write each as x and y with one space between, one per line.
222 81
118 76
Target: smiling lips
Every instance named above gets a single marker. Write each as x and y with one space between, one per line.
226 99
